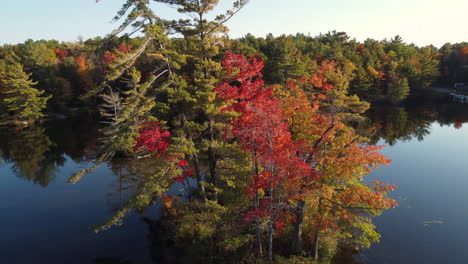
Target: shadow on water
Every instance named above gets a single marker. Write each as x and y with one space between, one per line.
162 250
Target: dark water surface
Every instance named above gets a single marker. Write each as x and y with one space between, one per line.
44 219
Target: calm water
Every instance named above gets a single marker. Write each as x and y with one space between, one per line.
44 219
430 225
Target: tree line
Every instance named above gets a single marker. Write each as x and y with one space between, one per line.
59 77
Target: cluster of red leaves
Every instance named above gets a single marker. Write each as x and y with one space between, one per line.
125 48
259 212
182 163
245 83
361 48
186 172
61 53
153 139
108 57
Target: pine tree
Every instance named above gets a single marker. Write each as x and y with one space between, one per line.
23 102
399 90
201 119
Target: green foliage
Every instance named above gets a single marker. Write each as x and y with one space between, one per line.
294 260
198 222
22 102
399 90
125 116
366 69
453 63
30 150
363 233
201 228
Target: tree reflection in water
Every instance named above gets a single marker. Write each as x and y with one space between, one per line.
413 120
37 153
30 151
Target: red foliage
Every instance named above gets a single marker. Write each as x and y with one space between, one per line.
263 131
187 173
182 163
299 148
180 178
260 212
125 48
190 173
153 139
108 57
361 48
61 53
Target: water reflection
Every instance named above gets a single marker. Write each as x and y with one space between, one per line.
413 120
32 154
51 153
37 152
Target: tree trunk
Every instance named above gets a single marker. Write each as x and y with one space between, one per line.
201 183
257 204
258 229
196 163
270 225
297 242
315 245
212 162
315 242
259 239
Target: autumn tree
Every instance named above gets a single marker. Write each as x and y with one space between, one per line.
263 133
340 157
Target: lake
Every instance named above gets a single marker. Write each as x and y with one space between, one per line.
44 219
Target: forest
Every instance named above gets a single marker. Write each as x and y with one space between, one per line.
266 136
62 77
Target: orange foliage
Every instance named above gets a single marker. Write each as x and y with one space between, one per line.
83 70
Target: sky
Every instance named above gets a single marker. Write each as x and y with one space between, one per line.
422 22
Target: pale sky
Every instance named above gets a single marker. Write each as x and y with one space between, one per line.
422 22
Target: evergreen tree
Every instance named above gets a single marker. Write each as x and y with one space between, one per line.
22 101
399 90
